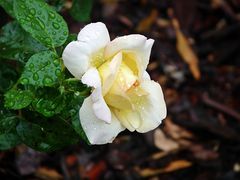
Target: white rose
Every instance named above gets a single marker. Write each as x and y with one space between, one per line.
123 96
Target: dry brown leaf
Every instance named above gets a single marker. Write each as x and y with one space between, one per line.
164 143
49 174
172 166
185 50
163 23
158 155
175 131
147 22
125 20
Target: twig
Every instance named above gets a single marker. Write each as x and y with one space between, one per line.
221 107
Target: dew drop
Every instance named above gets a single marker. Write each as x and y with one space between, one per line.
35 77
58 72
77 93
65 33
11 104
33 11
62 38
47 80
40 23
53 33
23 6
48 40
30 16
52 15
24 80
21 21
56 62
53 106
28 19
55 25
31 66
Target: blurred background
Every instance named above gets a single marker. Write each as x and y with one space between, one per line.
195 58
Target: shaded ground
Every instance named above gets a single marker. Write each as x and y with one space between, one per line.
197 66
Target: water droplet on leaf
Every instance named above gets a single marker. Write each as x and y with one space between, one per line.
33 11
55 25
51 15
31 66
40 23
35 76
56 62
24 80
58 72
47 80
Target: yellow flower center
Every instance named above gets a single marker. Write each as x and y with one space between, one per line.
121 86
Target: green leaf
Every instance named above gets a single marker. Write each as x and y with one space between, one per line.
56 4
41 21
7 6
8 140
8 76
49 102
78 127
8 123
46 135
42 69
15 43
81 10
8 135
77 92
18 99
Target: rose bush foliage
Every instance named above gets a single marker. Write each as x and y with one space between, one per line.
58 88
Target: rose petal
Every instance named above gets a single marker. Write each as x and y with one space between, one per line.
129 119
153 110
132 43
98 132
76 59
108 72
95 35
100 108
77 56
